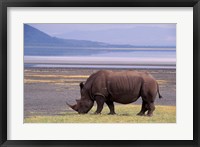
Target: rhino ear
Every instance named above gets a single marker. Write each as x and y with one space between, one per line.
81 85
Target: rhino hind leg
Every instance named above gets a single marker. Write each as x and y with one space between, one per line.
151 108
143 109
111 107
100 102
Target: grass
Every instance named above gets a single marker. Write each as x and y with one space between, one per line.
125 114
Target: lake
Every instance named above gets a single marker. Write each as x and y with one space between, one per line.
100 57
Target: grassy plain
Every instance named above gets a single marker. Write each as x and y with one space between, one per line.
125 114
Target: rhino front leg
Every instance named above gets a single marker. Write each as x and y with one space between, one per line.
100 102
111 107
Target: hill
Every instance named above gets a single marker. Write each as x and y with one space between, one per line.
35 37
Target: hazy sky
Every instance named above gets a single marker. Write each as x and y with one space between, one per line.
134 34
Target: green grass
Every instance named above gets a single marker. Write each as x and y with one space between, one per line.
125 114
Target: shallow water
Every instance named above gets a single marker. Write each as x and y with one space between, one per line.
140 58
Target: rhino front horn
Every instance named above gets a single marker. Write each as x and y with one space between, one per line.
72 106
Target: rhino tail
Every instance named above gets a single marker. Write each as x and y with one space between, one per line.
160 96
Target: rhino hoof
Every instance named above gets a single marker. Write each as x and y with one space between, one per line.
97 113
141 114
149 115
111 113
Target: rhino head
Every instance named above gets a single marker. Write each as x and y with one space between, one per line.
84 104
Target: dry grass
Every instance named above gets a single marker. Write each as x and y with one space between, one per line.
57 76
162 82
46 78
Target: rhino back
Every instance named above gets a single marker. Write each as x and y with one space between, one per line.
119 86
124 87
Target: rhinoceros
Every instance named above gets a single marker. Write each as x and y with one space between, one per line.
106 86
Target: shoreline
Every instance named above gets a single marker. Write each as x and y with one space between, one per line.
101 66
101 60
